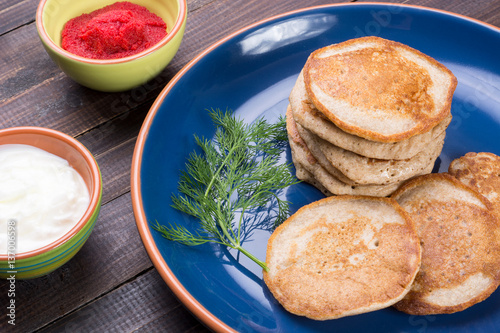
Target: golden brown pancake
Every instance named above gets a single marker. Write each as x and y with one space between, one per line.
378 89
317 176
480 171
354 169
460 245
341 256
314 121
364 170
310 170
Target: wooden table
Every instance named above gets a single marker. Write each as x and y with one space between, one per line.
111 285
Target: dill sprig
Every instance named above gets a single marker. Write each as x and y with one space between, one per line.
237 174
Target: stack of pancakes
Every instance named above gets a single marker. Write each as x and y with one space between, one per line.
366 115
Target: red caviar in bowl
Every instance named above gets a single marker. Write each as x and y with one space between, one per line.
115 31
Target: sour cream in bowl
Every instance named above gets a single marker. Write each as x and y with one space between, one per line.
50 195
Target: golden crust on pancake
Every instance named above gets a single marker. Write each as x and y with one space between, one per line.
314 150
313 120
354 169
364 170
317 176
310 170
480 171
304 175
342 256
460 245
378 89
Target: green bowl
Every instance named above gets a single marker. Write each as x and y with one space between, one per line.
114 74
44 260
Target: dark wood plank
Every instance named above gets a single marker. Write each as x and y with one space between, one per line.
23 63
134 306
487 10
115 132
489 14
177 320
115 170
16 13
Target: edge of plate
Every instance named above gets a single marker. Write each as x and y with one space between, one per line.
167 275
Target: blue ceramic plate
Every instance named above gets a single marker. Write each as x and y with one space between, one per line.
252 72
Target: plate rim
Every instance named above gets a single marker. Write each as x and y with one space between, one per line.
184 296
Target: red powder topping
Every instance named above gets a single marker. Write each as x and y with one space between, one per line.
115 31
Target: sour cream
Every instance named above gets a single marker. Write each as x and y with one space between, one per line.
40 194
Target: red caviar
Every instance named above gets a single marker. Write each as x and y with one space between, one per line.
115 31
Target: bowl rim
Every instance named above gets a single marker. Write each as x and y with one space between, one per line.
95 195
179 22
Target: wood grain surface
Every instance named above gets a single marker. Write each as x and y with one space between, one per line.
111 284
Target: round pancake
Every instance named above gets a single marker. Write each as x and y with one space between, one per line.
310 170
342 256
378 89
364 170
310 118
480 171
460 245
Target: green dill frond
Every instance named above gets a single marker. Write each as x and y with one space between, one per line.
237 172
